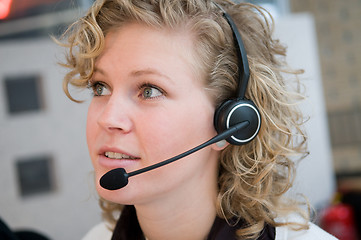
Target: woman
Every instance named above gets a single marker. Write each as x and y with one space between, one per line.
158 70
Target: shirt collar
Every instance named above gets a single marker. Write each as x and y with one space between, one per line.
128 227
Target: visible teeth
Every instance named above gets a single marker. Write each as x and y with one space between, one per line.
116 155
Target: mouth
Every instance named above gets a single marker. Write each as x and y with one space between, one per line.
119 156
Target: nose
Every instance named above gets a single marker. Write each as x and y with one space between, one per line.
115 115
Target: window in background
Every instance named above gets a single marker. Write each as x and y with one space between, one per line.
23 94
35 175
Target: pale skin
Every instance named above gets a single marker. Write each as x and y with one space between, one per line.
150 105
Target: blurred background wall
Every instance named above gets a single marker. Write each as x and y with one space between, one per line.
338 25
45 172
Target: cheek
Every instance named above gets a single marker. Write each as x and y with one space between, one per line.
155 137
90 123
91 128
166 135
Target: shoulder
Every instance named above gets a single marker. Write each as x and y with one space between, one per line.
313 232
99 231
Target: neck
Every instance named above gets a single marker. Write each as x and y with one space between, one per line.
187 215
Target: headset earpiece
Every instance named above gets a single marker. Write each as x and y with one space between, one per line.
240 109
232 112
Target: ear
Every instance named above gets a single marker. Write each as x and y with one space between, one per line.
218 146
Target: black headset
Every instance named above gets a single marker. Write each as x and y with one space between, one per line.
240 109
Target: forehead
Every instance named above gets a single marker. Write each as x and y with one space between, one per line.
146 37
135 43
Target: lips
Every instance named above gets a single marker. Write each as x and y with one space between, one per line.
117 155
111 158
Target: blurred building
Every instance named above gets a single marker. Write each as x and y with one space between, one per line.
45 173
339 39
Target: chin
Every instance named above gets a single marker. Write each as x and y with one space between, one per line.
121 196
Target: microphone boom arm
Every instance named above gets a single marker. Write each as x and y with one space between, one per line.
226 134
118 177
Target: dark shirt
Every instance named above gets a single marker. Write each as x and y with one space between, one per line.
7 234
127 228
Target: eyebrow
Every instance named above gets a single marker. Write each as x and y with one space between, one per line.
149 71
99 70
138 73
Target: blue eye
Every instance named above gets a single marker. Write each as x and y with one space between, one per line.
99 89
149 91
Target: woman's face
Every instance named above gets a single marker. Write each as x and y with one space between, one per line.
149 105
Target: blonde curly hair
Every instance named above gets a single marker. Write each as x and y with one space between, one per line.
254 177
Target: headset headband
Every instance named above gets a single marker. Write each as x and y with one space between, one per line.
243 66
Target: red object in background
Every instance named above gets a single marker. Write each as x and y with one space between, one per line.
338 220
5 6
12 9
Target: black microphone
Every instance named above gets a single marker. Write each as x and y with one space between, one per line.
118 178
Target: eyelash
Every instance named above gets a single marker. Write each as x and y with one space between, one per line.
143 86
93 85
